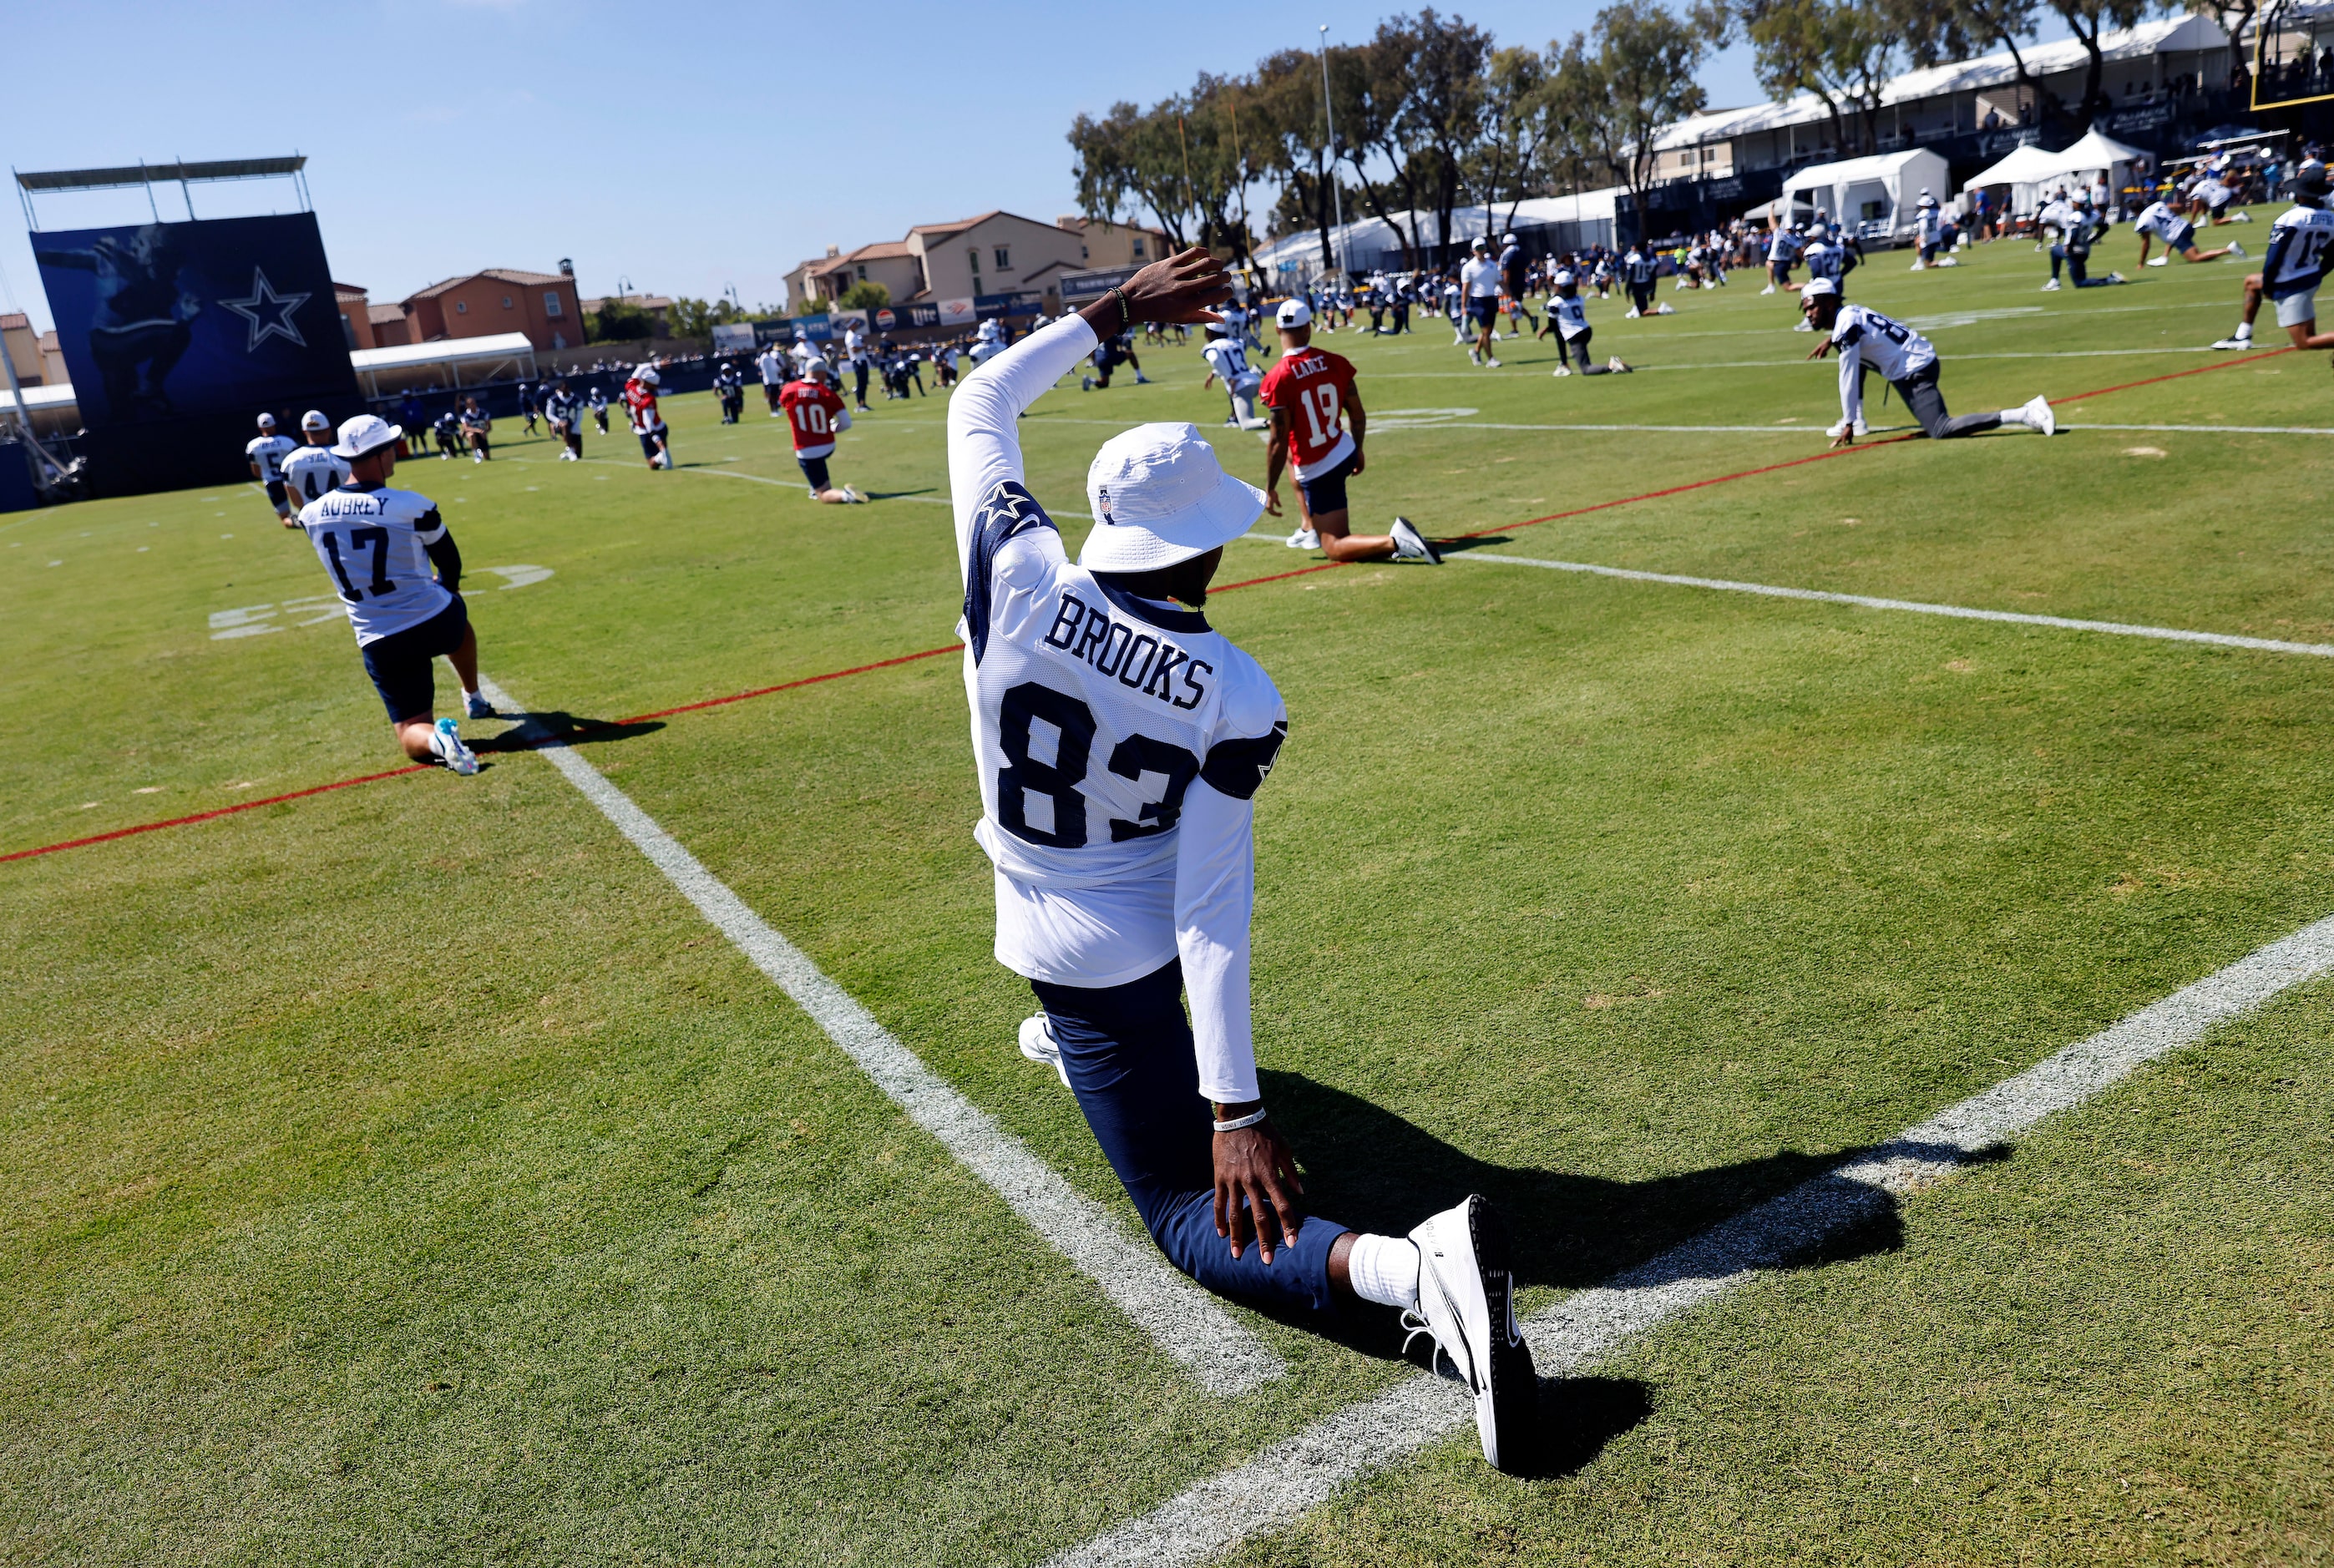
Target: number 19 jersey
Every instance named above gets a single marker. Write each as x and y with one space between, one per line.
1313 388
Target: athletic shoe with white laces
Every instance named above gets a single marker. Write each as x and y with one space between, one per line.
2052 287
2234 343
1631 315
1410 545
1561 371
1466 1302
2243 218
1618 366
1303 539
1038 1045
476 705
1665 309
1492 363
2159 260
2039 416
1845 426
447 743
2234 248
1768 290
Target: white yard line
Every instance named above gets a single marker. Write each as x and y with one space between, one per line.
1183 1320
2209 429
1777 364
1955 612
1299 1473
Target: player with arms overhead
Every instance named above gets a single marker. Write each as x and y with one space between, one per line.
1120 741
1312 399
2158 220
1907 360
315 468
266 452
378 546
2299 242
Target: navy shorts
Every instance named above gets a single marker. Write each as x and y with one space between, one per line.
1484 309
275 493
1327 493
649 442
400 663
814 470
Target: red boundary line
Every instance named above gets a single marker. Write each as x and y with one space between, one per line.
956 646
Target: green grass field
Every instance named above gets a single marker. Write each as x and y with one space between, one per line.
408 1174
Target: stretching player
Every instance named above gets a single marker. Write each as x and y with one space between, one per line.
266 452
1226 359
1568 316
2299 244
817 415
2081 228
315 468
565 411
448 429
2178 235
378 545
1312 398
1120 741
599 401
648 419
1909 362
477 427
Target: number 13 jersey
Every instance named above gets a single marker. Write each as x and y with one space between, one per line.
1314 388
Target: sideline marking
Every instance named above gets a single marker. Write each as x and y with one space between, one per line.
1184 1320
1297 1473
1956 611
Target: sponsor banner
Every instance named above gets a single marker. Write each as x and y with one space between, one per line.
1025 303
818 329
957 313
897 318
1086 287
732 337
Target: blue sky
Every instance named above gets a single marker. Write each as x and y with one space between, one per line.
685 148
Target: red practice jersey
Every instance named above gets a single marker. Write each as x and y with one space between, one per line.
816 413
1313 388
642 400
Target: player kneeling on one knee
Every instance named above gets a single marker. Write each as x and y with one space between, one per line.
1569 317
378 546
1312 396
1120 741
815 412
2299 244
1908 361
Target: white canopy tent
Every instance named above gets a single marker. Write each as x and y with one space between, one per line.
2028 171
1881 188
503 353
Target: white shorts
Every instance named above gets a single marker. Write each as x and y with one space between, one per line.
2297 309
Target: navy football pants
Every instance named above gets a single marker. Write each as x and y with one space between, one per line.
1128 1051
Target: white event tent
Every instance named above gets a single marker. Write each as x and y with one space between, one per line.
1880 188
2028 169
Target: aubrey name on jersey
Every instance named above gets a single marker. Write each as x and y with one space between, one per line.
374 542
311 471
1120 741
1313 386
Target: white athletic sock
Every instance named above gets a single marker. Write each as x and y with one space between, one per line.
2245 330
1383 1269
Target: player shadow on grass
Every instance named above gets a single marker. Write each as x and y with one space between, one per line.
1371 1170
541 729
1460 547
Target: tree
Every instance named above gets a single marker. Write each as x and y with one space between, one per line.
1843 52
697 318
1958 29
617 321
1518 124
2233 17
866 296
1286 100
2086 20
1637 78
1370 86
1133 157
1441 120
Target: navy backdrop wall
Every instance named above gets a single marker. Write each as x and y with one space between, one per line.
179 334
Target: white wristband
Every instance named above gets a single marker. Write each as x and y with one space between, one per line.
1237 1123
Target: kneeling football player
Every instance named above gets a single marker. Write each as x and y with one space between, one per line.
1312 396
378 546
1864 337
1120 742
816 414
2299 244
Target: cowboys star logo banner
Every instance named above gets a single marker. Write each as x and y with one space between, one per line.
164 320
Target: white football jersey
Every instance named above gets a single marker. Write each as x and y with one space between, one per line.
269 452
1227 357
311 471
1571 314
2159 218
2298 245
371 543
1119 741
1895 349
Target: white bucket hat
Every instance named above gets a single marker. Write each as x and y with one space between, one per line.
366 433
1159 496
1816 288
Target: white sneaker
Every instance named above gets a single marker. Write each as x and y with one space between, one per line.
1491 363
1616 365
1949 262
858 496
476 705
447 743
1665 309
2243 342
2118 278
1768 290
2052 287
1038 1045
1474 356
2040 417
2157 260
1303 539
2234 248
1561 371
2241 218
1466 1302
1916 266
1631 315
1410 545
